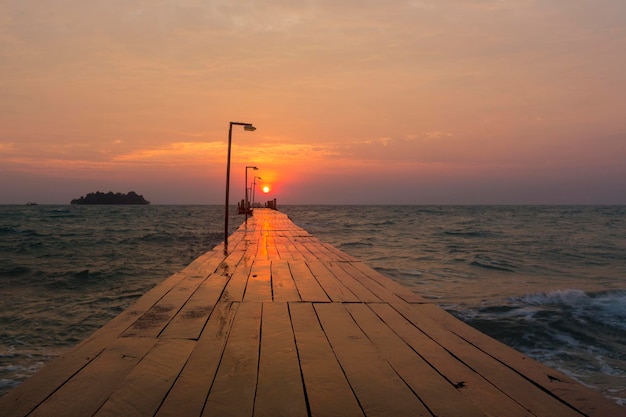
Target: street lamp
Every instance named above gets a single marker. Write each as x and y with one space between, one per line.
245 207
249 128
254 188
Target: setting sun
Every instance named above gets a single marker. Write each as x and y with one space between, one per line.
266 189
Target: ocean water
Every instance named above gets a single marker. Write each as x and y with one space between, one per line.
549 281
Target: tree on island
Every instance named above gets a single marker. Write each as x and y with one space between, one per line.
111 198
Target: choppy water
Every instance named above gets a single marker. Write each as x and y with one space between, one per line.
549 281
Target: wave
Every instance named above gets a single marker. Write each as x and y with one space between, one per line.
473 234
11 271
606 307
355 244
6 231
494 264
581 333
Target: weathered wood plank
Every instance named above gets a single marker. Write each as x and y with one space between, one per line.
239 280
259 286
522 390
271 248
357 287
191 318
142 391
403 292
473 386
440 396
379 389
320 252
95 382
304 252
153 321
589 402
279 388
284 248
308 287
29 394
335 289
283 285
232 392
327 389
383 292
340 254
192 387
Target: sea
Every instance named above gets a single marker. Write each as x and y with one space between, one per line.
550 281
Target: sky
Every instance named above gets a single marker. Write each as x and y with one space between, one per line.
355 102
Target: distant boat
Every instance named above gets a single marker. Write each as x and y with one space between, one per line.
32 203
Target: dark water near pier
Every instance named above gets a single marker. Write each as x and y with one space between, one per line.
549 281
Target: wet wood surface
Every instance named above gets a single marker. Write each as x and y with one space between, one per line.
280 324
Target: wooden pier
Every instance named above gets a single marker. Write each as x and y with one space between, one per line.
282 324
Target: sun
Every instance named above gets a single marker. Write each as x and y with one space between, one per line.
266 189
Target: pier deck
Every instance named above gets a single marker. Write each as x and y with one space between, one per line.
282 324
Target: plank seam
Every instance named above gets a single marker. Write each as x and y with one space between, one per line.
295 342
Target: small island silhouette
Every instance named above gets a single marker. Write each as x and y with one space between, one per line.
111 198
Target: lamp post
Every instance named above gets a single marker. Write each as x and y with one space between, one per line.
254 188
249 128
245 207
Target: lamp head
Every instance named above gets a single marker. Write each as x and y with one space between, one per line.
249 128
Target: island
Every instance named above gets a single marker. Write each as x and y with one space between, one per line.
111 198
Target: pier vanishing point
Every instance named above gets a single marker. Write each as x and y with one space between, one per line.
281 324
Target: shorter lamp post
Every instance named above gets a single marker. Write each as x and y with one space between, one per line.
254 188
246 205
247 127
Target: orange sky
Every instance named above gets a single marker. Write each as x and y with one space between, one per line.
407 102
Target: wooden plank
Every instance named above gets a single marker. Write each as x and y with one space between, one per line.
292 247
473 386
335 289
95 382
153 321
340 254
383 293
29 394
192 387
191 318
262 254
525 392
304 252
589 402
379 389
318 250
284 248
403 292
119 324
239 279
327 389
308 287
142 391
363 293
280 389
283 285
232 392
439 395
259 286
272 251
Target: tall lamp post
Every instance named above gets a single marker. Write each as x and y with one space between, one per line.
254 188
247 127
245 207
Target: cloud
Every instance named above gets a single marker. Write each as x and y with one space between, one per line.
6 147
